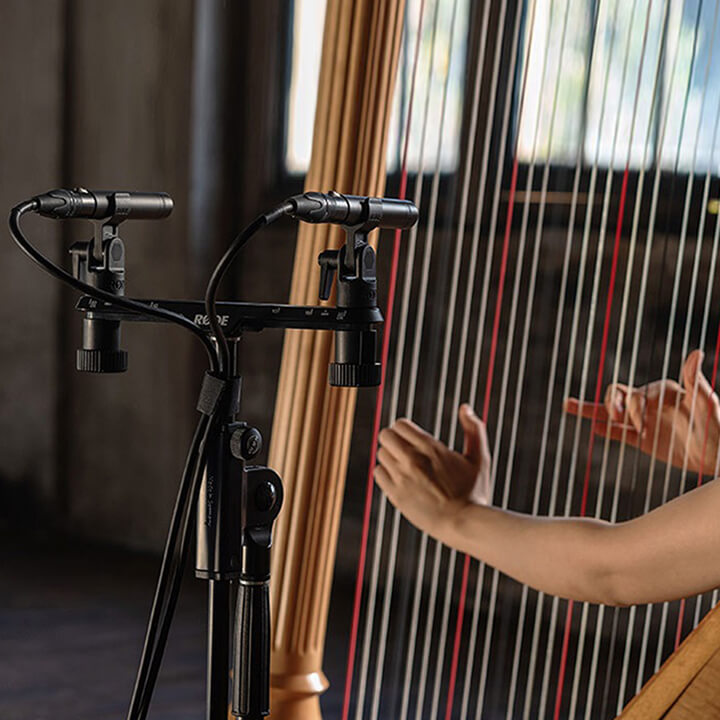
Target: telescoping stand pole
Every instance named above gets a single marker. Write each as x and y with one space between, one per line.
232 503
237 506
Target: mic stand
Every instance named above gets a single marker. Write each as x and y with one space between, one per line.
238 502
237 506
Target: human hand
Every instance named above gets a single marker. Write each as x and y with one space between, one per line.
635 415
427 481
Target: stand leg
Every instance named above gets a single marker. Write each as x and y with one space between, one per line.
218 664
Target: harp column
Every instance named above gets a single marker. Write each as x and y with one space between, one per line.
313 422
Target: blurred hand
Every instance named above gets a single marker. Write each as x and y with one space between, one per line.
635 415
427 481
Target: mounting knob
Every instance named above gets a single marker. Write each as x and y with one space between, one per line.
355 375
245 443
101 361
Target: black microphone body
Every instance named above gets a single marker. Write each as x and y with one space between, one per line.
351 210
110 205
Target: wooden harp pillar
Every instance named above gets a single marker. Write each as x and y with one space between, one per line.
313 422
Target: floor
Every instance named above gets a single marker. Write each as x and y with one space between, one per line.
72 619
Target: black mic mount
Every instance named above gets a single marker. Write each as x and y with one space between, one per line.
234 502
354 320
354 265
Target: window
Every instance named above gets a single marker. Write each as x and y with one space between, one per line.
438 61
307 17
596 96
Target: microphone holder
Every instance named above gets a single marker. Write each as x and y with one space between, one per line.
236 502
239 501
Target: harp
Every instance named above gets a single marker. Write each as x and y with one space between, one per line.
569 240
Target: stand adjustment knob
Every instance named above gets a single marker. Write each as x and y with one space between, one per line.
246 443
101 361
352 375
265 497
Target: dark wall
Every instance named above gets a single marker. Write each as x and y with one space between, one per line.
146 94
31 121
131 65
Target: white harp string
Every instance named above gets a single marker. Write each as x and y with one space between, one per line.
695 270
621 334
671 323
522 119
706 311
395 527
418 337
636 340
710 277
588 344
526 332
571 355
395 387
484 298
551 387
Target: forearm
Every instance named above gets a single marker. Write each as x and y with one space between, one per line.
560 556
669 553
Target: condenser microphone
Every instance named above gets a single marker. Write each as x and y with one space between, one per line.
351 210
111 205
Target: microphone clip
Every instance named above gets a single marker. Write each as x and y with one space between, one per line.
356 361
100 262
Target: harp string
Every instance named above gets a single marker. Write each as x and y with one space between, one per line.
530 677
393 542
673 309
649 608
447 342
608 311
633 363
417 340
582 636
454 663
640 314
464 334
480 66
528 315
404 314
636 335
566 391
491 615
474 378
392 555
698 247
378 410
706 311
373 585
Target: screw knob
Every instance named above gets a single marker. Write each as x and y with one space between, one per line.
101 361
355 375
246 443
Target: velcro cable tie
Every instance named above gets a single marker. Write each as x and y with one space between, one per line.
215 390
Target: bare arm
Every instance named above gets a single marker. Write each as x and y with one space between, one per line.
671 552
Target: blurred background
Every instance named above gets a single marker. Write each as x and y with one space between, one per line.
213 101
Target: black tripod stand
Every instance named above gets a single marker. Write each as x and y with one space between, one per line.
232 502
